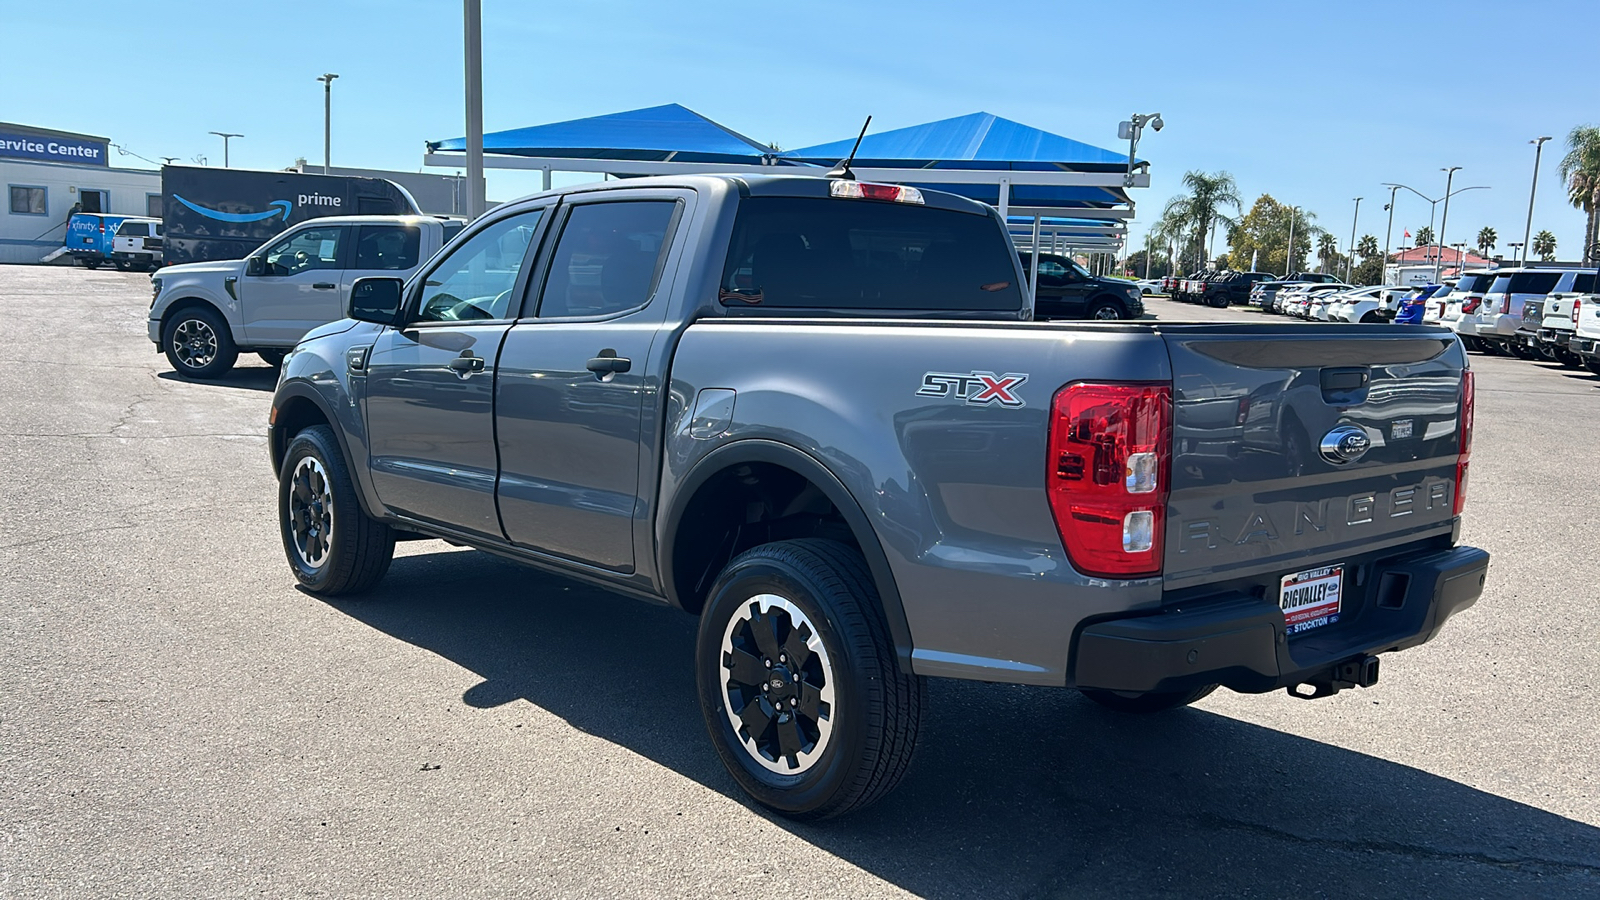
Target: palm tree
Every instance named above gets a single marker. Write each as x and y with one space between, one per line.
1544 244
1580 169
1367 246
1486 240
1327 250
1425 236
1201 209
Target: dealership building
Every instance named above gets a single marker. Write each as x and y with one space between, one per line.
48 175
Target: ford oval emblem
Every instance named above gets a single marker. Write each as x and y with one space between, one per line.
1345 444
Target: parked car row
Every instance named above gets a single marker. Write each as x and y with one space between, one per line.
1532 312
1217 288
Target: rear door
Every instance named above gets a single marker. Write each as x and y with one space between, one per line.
382 249
574 379
1285 484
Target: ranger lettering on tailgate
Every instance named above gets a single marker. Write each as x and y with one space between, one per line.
1315 519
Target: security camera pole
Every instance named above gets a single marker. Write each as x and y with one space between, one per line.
1130 131
327 121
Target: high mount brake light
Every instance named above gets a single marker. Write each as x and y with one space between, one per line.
866 190
1464 455
1109 473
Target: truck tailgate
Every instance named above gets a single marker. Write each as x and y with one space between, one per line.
1302 448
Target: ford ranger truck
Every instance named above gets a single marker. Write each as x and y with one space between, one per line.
204 314
815 414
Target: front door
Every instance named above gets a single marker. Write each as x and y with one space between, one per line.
1061 292
430 384
298 288
575 380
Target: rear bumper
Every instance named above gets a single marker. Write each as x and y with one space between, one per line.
1239 641
1584 346
1554 336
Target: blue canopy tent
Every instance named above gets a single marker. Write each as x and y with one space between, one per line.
1024 171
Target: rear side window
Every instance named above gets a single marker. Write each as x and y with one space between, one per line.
133 229
826 253
1534 282
608 258
1584 283
388 247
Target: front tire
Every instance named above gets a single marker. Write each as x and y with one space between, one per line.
1149 702
333 546
1105 309
273 358
198 343
798 681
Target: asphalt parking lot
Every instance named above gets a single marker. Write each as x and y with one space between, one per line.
180 721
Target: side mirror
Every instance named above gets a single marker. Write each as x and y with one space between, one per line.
255 265
376 299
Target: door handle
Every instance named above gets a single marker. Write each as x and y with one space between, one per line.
324 286
605 364
466 363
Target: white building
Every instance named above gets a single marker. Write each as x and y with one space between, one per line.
48 175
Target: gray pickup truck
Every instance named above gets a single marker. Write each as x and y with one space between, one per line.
816 414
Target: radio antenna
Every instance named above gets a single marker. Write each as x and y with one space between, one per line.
842 170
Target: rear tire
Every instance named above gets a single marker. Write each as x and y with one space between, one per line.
1592 364
333 546
801 621
198 343
91 264
1150 702
1568 358
1520 351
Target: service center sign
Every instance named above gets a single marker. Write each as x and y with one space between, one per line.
53 149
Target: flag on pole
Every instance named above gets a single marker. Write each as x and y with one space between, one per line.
1408 233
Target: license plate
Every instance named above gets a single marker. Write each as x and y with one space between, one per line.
1311 599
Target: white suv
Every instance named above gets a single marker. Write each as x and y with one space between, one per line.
1494 322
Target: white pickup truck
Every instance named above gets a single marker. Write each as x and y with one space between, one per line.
203 315
1585 342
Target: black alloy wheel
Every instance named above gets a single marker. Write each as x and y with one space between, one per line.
333 546
799 683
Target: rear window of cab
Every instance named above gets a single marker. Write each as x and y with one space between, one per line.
833 253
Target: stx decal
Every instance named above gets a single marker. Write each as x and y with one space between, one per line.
976 388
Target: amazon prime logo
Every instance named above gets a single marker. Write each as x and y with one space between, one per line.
1345 444
279 208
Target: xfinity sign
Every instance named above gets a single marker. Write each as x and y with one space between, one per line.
53 149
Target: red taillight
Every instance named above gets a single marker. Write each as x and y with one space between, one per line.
1468 394
1576 305
1470 305
1109 474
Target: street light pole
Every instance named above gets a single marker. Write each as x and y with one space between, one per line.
1288 263
1350 264
225 136
327 120
1449 176
1527 231
472 15
1388 233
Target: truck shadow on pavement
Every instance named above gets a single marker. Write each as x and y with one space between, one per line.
250 378
1015 791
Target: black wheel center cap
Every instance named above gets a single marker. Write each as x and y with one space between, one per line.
780 684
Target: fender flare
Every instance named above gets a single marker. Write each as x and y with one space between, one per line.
757 450
298 390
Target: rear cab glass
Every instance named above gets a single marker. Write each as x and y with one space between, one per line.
133 229
845 254
1530 283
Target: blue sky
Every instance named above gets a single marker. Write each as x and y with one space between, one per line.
1313 103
